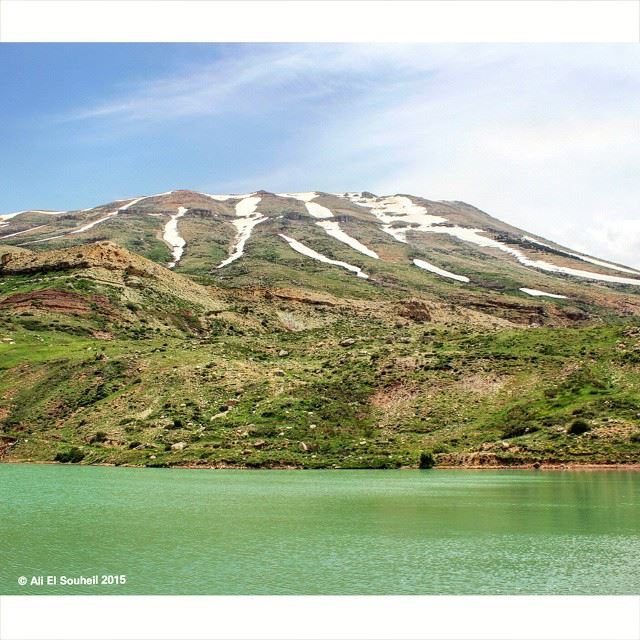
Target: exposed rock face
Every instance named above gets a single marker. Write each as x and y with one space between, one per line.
106 261
55 301
107 255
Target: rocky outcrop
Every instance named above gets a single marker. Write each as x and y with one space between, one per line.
415 310
55 301
107 261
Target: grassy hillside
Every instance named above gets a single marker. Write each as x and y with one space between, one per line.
106 360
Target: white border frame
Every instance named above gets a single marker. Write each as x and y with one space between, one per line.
317 618
320 21
311 618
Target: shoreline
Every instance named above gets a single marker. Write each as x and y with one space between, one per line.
556 466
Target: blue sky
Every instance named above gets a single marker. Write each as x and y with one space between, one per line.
546 137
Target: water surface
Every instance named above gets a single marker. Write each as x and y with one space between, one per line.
176 531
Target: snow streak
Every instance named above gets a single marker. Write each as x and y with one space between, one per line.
247 219
173 238
441 272
537 292
307 251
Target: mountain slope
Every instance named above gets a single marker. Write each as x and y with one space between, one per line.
398 245
310 329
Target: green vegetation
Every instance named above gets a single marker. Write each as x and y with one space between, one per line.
279 360
70 455
352 391
427 461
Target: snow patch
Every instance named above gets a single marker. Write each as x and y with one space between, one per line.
227 196
90 225
398 214
111 215
131 202
537 292
94 223
333 229
248 218
441 272
173 238
247 206
318 211
307 251
400 208
18 233
475 236
600 263
8 216
136 200
306 196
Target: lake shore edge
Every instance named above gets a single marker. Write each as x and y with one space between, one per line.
567 466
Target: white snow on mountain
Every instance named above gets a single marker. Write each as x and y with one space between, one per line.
331 227
600 263
247 219
537 292
423 264
173 238
307 251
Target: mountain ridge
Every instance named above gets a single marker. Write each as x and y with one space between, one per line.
436 235
361 199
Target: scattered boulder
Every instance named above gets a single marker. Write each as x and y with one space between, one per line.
415 310
347 342
283 353
279 372
178 446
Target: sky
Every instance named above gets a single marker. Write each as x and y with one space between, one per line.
545 137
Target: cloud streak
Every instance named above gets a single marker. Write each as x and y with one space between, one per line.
546 137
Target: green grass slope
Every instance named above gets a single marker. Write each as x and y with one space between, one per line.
106 357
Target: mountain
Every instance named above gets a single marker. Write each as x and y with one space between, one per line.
310 329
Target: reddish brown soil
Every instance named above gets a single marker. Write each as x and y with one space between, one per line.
54 301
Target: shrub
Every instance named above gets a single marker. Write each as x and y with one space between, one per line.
427 461
71 455
441 448
100 436
514 430
578 427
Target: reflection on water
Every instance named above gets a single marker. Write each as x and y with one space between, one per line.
322 532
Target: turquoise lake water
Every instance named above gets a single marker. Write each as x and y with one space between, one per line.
172 531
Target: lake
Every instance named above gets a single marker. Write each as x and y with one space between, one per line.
173 531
